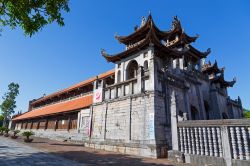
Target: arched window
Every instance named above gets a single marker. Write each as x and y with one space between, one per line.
132 69
145 65
119 76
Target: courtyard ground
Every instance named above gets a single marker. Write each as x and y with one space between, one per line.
43 151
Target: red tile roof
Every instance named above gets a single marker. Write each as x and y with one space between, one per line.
66 106
83 83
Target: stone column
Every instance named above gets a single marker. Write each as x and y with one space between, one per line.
78 121
105 122
122 90
139 79
152 72
131 88
175 143
181 63
226 146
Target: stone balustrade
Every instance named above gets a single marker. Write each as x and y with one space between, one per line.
228 139
125 88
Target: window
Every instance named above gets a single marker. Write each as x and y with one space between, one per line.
145 65
119 65
132 69
145 54
119 76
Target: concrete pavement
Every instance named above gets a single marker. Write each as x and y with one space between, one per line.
16 154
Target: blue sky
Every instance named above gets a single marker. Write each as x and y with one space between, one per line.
56 57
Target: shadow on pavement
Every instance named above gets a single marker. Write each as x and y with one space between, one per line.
105 159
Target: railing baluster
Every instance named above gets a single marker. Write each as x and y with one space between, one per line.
244 135
181 138
201 142
196 141
239 142
219 141
210 142
188 141
192 140
205 140
215 142
233 143
185 139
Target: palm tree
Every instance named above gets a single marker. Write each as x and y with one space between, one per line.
27 134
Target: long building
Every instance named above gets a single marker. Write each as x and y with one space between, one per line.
130 109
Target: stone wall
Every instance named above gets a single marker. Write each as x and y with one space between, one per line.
135 121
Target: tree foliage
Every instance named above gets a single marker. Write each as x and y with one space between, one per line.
32 15
246 113
1 117
9 101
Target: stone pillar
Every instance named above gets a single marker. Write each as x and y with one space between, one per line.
139 79
78 121
131 88
174 63
105 122
226 146
152 72
115 92
122 90
174 130
181 63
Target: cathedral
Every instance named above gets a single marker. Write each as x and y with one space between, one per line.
159 76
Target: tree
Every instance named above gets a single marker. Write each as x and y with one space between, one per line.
246 113
1 120
9 101
32 15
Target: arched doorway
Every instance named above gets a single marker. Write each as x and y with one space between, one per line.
132 69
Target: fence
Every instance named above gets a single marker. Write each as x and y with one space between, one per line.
228 139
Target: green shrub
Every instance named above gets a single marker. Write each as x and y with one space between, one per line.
246 114
27 134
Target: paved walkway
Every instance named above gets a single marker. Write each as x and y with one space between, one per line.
13 153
